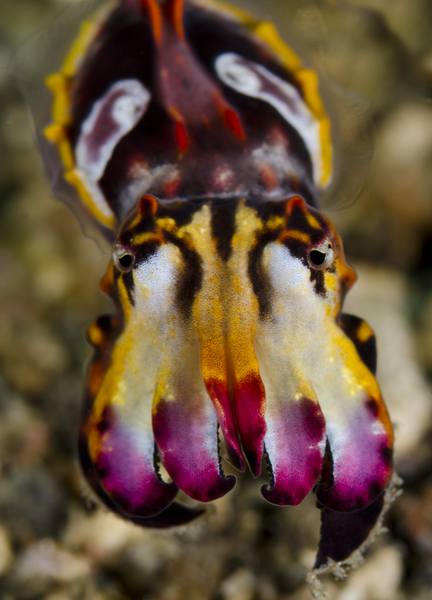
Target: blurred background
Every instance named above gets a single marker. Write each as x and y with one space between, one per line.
375 60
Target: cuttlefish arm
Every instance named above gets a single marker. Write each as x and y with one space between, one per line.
342 533
102 334
319 392
120 439
192 398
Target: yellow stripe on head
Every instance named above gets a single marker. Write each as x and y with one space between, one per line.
294 234
312 221
275 222
148 236
60 84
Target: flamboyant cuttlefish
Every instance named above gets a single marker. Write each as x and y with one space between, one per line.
195 137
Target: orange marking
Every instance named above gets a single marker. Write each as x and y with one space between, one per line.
95 378
173 11
295 181
148 206
295 202
155 18
233 122
173 111
181 136
107 281
171 186
269 177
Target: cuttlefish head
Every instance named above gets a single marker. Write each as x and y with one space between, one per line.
228 318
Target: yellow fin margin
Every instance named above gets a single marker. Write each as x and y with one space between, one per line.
308 81
73 177
60 85
306 78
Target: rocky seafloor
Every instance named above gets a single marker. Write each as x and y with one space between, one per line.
57 545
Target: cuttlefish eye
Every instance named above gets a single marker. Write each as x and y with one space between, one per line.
123 259
322 256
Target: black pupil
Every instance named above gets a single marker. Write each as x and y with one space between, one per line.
317 257
125 261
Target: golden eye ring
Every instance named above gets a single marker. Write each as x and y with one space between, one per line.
320 257
124 260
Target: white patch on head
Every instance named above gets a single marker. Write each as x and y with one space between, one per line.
302 338
287 273
254 80
144 180
223 179
111 118
142 345
276 156
298 312
155 280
